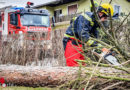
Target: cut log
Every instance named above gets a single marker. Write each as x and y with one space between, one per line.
49 76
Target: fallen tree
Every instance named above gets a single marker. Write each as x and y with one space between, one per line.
58 76
94 77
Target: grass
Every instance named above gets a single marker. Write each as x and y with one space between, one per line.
27 88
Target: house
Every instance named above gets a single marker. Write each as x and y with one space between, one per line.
64 10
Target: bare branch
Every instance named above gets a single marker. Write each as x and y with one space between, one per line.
125 62
122 22
110 1
109 87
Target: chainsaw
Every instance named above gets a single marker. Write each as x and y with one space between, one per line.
108 56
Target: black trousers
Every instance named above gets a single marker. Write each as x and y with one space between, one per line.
65 40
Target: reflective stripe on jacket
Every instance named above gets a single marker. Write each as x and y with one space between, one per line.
88 18
83 27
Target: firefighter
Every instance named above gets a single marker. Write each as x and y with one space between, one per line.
80 31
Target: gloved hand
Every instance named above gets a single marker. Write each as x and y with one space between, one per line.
98 46
93 43
103 51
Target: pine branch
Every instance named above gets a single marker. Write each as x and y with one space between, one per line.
105 65
114 42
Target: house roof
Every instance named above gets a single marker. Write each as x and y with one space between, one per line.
55 3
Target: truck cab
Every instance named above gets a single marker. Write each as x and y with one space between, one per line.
19 20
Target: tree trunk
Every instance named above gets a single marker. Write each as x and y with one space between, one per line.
50 76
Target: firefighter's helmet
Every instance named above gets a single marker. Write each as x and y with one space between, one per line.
105 9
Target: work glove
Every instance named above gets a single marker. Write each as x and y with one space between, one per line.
98 46
93 43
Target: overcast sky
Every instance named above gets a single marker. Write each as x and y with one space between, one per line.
20 3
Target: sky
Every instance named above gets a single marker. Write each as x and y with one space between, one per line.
22 3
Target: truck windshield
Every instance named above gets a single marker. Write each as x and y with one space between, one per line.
35 20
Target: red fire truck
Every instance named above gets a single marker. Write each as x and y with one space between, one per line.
19 20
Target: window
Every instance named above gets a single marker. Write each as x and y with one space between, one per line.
72 9
116 9
13 19
57 14
35 20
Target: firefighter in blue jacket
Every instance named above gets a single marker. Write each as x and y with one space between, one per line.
80 31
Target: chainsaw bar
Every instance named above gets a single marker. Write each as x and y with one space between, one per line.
111 59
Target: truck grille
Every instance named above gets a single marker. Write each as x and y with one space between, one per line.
37 35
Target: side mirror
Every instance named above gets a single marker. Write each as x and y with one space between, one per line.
53 21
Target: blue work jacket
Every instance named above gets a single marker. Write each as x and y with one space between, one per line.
83 27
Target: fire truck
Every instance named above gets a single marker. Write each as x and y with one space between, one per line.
20 20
